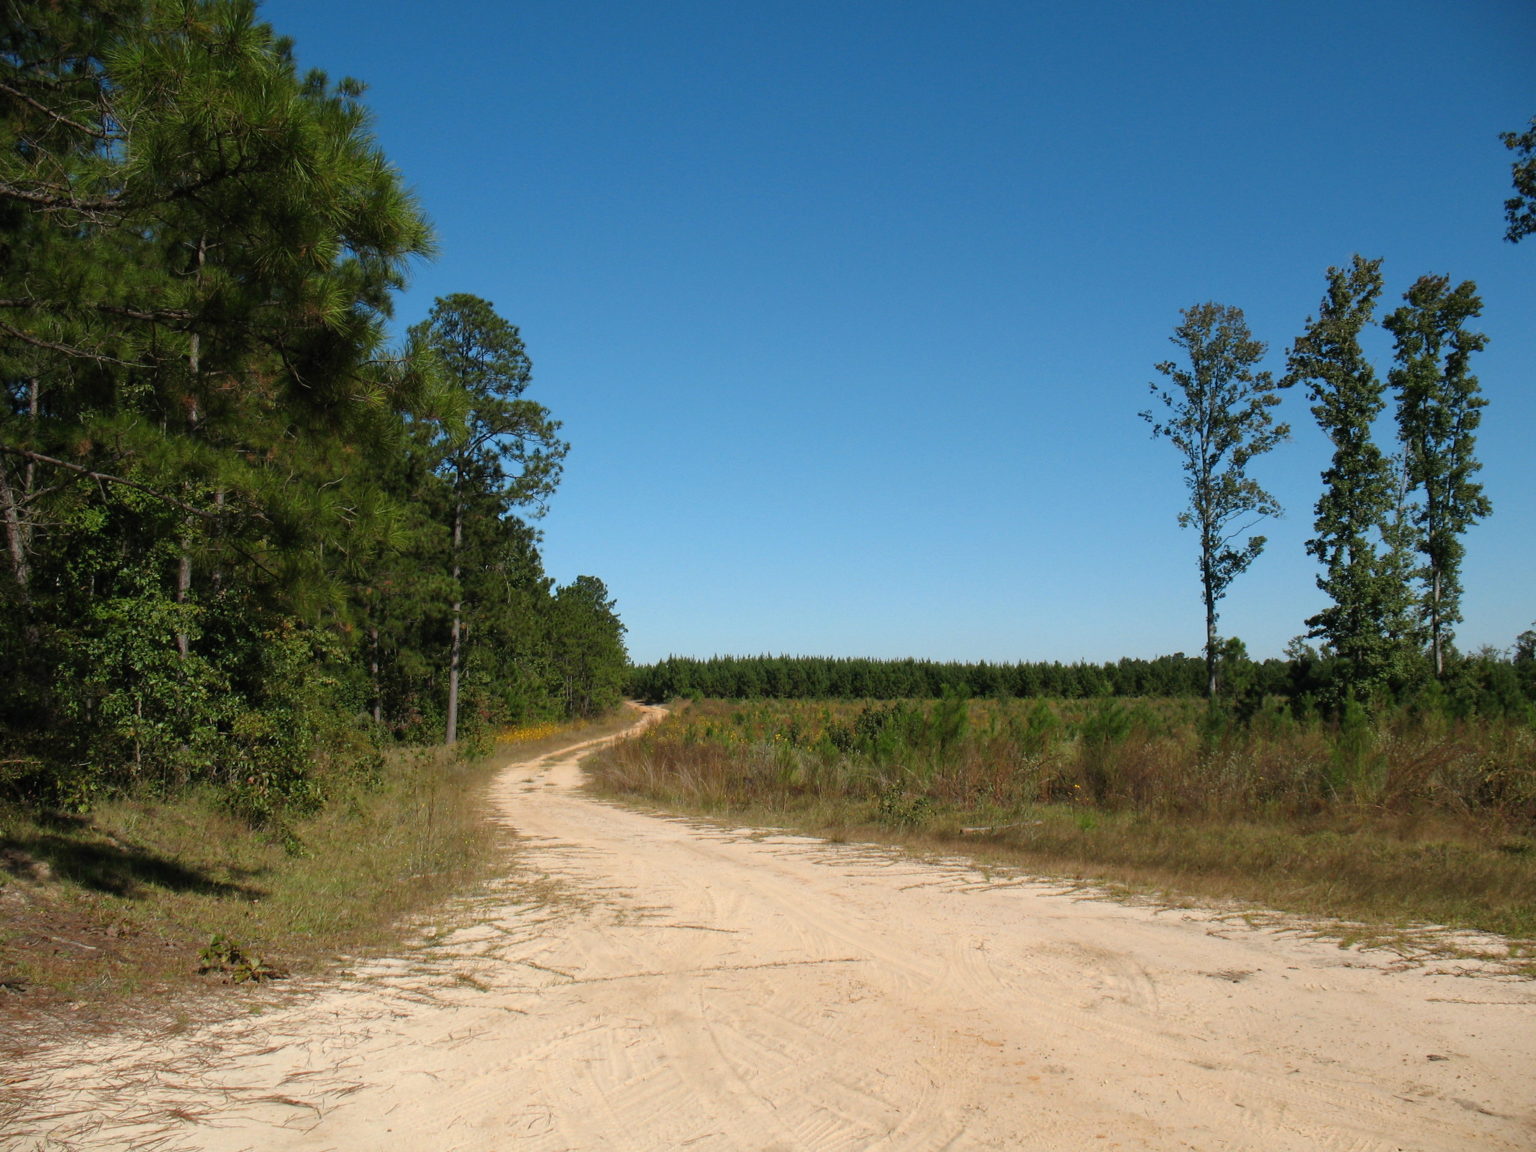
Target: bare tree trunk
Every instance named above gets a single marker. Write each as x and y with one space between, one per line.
373 672
456 634
183 586
184 566
18 527
1210 652
1434 624
216 576
1207 589
16 533
1432 525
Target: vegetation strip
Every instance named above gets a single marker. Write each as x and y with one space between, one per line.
1408 822
248 543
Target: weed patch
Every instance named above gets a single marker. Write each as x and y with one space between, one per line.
227 958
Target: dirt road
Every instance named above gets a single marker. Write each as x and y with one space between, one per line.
643 983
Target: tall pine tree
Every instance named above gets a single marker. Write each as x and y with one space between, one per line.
500 451
199 250
1365 575
1439 408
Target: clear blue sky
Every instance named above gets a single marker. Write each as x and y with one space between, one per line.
849 308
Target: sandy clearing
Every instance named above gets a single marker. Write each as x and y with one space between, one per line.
644 983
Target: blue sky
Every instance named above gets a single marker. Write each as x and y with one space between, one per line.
849 308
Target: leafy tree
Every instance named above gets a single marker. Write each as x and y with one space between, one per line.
499 450
1218 416
1520 209
1365 576
1439 407
1525 646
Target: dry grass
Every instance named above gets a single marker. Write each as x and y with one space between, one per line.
1407 822
103 917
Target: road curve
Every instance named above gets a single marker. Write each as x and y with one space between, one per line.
641 983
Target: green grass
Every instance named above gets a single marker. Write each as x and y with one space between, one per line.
108 915
1407 824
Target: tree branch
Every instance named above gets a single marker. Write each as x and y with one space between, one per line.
28 338
54 198
91 474
109 309
52 115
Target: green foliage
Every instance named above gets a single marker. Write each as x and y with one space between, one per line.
1520 209
888 733
1358 539
1038 733
1459 758
149 711
493 441
896 807
950 721
818 677
1101 732
1354 771
491 451
224 956
1438 412
241 538
1525 647
1217 414
1419 810
589 648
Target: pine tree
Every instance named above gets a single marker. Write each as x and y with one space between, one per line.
1365 575
200 246
234 522
589 647
499 450
1439 407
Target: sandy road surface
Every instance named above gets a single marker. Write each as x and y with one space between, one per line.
671 987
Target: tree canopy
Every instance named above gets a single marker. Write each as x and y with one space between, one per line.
1520 209
240 528
1439 409
498 451
1359 538
1216 412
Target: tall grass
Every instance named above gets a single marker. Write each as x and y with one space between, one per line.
1406 817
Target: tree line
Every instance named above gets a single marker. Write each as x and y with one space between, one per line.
1482 683
817 677
247 537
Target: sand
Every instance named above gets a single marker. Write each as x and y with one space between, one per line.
640 982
